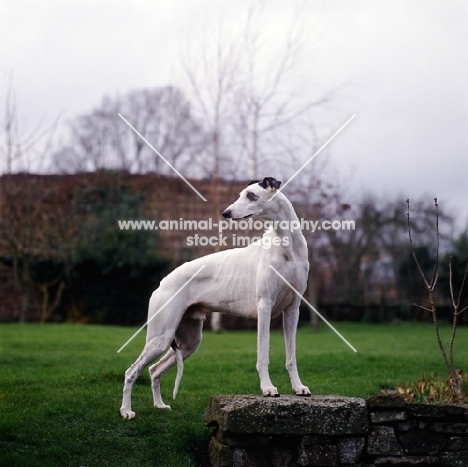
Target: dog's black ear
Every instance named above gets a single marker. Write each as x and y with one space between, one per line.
253 181
270 183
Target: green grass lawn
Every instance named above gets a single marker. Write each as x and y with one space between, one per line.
60 387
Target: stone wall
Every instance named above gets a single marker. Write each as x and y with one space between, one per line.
291 431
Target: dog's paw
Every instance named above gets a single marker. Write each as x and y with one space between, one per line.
162 406
127 413
270 392
302 391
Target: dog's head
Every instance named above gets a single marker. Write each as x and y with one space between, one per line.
253 200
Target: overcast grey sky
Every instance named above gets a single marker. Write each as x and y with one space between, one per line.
404 63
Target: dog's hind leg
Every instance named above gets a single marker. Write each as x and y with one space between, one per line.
188 337
151 352
156 371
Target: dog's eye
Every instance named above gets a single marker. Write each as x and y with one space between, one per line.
252 196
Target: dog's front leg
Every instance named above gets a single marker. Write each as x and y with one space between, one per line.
290 322
263 348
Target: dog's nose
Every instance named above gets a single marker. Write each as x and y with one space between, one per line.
226 214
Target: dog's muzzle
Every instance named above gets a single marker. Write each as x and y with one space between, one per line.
226 214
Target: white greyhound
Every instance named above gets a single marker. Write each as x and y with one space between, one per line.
238 281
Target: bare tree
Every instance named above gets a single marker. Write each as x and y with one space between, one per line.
23 224
19 218
164 117
246 93
23 150
36 238
272 113
429 284
101 140
17 233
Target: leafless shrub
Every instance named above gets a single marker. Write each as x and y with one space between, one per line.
455 375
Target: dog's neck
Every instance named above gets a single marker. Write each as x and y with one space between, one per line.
296 244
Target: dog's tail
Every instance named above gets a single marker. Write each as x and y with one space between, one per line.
180 367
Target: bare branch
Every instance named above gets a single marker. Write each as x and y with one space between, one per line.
424 308
451 283
462 287
455 313
435 273
427 285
